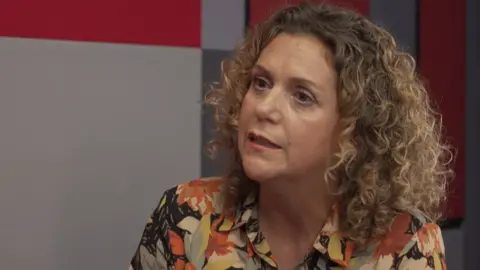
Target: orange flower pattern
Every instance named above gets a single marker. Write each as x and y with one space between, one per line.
188 230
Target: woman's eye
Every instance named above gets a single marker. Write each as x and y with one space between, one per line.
260 83
304 98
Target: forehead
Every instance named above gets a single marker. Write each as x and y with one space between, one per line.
302 56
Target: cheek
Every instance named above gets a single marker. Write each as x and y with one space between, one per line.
312 152
313 139
246 110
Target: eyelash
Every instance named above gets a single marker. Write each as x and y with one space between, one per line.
303 92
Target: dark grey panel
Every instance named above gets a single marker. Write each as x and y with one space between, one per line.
472 220
211 63
400 19
223 23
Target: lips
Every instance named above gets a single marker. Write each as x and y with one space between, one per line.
261 140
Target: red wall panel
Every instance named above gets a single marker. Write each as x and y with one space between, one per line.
442 61
261 9
169 22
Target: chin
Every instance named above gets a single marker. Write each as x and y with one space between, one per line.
259 172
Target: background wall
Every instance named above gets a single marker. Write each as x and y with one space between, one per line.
100 112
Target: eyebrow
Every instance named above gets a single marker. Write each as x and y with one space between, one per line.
294 80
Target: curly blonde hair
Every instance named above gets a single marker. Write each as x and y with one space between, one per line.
391 155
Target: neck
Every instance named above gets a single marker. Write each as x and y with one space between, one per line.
296 209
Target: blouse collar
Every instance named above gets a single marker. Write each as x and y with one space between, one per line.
330 241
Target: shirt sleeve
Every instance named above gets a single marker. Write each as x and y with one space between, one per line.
153 251
424 251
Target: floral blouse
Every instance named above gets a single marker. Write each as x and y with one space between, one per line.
188 231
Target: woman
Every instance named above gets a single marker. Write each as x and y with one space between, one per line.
337 160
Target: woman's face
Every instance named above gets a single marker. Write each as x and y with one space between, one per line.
289 116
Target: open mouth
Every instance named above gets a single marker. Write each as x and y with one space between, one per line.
261 141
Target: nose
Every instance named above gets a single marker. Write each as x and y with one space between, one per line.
269 104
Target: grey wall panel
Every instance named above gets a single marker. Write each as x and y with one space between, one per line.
472 220
400 18
91 135
211 63
453 240
223 23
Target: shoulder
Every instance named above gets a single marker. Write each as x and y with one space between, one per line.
413 242
203 196
180 213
